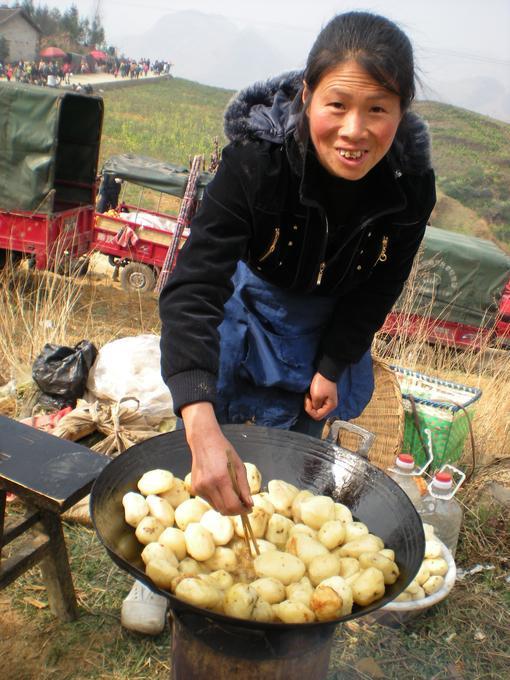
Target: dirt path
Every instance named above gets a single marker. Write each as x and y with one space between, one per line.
95 79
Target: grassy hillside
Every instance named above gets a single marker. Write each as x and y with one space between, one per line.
171 120
472 161
176 119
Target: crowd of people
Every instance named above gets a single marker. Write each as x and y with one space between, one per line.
36 73
58 72
125 68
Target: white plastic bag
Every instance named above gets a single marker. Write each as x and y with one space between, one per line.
130 367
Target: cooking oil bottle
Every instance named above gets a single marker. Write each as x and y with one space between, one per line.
409 477
440 509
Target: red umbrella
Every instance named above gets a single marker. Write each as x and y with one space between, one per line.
52 52
98 55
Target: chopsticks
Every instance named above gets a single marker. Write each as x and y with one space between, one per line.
245 520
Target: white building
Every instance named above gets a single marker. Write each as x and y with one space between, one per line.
21 33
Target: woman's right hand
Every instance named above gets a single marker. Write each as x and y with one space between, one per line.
210 478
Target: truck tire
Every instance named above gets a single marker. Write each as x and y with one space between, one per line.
10 257
75 266
137 277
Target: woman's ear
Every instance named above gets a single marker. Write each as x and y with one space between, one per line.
305 93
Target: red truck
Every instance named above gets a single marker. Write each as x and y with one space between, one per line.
459 294
136 239
49 150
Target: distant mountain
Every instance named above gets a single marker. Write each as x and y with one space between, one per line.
484 95
214 50
208 48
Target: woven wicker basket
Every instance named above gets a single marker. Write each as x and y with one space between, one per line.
384 416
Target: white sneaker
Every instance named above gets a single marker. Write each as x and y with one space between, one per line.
143 611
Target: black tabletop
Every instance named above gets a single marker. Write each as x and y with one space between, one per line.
57 470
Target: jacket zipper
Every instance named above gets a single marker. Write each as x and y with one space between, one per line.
272 247
382 255
322 265
321 272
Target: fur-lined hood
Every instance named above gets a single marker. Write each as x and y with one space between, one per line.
270 110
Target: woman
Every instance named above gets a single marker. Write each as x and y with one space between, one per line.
324 193
301 246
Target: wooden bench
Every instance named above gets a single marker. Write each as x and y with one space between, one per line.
48 475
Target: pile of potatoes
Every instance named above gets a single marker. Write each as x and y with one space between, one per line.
315 562
430 577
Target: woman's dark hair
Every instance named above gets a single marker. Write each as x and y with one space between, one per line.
375 43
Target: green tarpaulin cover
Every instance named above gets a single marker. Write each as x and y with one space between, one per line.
49 147
460 278
153 174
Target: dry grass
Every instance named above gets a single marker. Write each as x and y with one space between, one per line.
37 307
465 637
43 307
486 368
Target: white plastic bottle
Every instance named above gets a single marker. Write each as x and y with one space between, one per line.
405 473
441 510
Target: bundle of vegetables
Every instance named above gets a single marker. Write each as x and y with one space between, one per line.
315 561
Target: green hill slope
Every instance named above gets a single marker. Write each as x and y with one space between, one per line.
176 119
171 120
471 155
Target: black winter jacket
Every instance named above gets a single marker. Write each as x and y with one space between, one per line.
268 205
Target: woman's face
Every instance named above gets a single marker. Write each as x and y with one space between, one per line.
353 120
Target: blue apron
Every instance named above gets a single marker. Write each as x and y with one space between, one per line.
268 343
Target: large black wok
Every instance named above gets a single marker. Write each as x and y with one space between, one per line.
306 462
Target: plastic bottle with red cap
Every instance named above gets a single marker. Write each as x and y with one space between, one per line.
407 476
441 509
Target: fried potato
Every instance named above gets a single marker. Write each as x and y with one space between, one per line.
239 601
173 538
223 558
199 542
317 510
269 589
135 508
177 494
389 569
281 494
368 587
254 477
155 481
292 611
332 599
161 510
190 511
278 528
305 548
198 592
149 530
322 567
220 527
355 548
296 504
161 572
332 534
156 551
282 566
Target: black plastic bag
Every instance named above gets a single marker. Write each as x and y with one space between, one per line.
61 372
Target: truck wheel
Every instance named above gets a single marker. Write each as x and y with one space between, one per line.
10 257
138 277
75 266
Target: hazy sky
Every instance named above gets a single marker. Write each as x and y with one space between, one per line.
452 38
